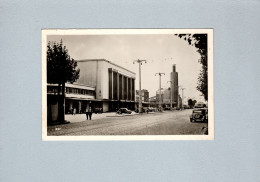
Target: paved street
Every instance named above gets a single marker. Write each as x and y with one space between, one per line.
166 123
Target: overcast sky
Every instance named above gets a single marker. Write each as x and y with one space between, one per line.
161 51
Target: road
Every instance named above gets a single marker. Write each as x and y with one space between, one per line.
166 123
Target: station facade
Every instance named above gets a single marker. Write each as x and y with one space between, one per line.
101 84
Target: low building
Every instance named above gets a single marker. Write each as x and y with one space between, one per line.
76 96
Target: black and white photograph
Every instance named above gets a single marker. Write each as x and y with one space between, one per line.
132 91
127 84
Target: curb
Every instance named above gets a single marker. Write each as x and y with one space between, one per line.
131 114
122 115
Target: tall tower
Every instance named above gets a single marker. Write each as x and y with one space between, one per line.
174 86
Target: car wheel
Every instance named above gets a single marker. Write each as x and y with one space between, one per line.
191 120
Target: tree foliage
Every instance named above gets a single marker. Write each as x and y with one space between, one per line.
194 102
191 103
200 42
61 68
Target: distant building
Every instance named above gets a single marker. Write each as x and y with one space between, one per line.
158 96
153 101
145 98
174 86
145 95
165 97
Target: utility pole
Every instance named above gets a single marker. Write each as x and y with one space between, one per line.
171 95
140 94
160 74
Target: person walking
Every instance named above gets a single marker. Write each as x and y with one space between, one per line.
90 111
87 113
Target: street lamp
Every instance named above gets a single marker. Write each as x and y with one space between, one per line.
160 74
140 95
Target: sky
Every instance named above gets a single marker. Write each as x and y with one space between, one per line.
160 51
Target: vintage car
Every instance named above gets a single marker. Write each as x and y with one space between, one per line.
186 107
98 110
123 110
167 108
200 114
151 109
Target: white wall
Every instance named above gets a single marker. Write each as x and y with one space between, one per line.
95 73
104 73
87 73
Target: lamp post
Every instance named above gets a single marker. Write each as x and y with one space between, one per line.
160 74
171 95
140 94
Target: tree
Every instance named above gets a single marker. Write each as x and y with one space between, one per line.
194 102
61 68
200 42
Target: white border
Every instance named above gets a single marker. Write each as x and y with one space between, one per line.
47 32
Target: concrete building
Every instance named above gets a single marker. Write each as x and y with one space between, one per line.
114 84
101 84
174 86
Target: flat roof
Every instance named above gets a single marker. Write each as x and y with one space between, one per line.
85 60
74 85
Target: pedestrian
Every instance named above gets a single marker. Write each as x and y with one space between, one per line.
90 111
74 111
87 113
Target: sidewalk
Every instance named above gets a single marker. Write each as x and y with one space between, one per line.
82 117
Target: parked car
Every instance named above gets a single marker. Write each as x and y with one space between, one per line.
186 106
167 108
151 109
98 110
123 110
200 105
144 109
200 114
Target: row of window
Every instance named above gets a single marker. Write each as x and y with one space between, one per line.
79 91
69 90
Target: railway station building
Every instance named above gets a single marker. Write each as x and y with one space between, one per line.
102 84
